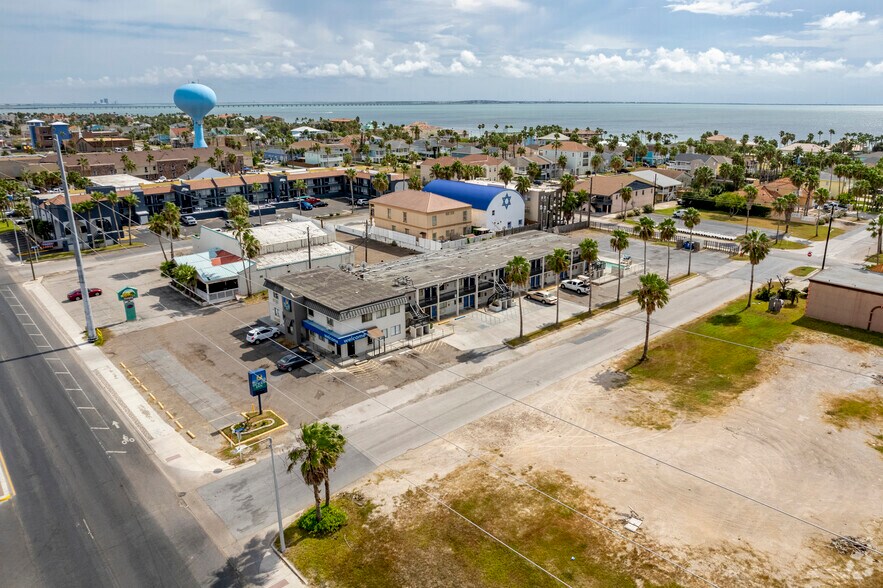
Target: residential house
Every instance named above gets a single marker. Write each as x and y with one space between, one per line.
336 313
578 157
666 187
606 192
520 163
422 214
326 154
94 144
690 162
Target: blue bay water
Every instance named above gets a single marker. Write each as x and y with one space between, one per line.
683 120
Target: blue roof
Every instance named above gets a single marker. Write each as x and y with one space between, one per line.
475 195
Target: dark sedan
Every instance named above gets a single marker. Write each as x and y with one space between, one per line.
295 360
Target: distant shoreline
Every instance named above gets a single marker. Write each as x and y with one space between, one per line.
418 102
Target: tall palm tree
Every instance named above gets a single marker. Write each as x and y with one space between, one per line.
241 228
350 174
811 181
790 203
157 226
819 198
517 276
652 295
756 245
97 197
588 252
380 183
251 248
646 230
522 185
505 174
113 199
131 201
310 455
703 178
300 188
750 197
667 232
625 194
779 205
691 219
172 215
237 205
619 240
558 261
875 227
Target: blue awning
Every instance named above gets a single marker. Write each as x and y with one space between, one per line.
331 335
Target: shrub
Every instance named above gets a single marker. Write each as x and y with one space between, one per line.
167 268
764 294
648 208
333 519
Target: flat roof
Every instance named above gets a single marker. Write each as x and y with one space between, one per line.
847 277
284 232
315 252
118 181
449 264
336 289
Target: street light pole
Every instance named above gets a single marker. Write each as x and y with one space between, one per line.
75 232
278 507
828 236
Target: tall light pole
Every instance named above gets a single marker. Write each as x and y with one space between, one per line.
828 236
75 232
278 507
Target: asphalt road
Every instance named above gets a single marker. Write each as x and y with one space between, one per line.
90 507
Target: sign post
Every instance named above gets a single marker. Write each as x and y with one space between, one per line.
127 296
257 385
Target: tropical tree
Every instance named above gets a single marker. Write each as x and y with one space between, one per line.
645 230
875 227
381 183
237 205
350 174
300 187
750 198
588 252
131 201
790 203
320 446
597 161
558 261
172 215
533 171
625 195
415 182
616 163
251 248
517 276
652 295
619 241
819 198
667 232
185 275
691 219
113 199
703 178
505 173
756 246
522 185
240 228
157 225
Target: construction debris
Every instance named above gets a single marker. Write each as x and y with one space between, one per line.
848 545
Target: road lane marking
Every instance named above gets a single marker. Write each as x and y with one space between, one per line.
88 530
6 485
111 451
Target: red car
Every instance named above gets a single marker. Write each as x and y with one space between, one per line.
76 295
312 199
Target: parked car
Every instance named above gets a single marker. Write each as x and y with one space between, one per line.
295 360
188 221
77 295
258 334
320 204
542 296
679 213
577 286
304 205
312 199
362 202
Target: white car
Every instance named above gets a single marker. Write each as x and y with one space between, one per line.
678 213
259 334
362 202
577 286
542 296
188 221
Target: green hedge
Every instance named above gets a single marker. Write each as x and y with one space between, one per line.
333 519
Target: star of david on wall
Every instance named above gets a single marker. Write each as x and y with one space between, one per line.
507 200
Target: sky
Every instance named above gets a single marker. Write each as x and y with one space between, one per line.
755 51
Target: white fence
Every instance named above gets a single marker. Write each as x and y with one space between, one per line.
407 241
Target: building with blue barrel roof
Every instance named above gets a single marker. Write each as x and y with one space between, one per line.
494 206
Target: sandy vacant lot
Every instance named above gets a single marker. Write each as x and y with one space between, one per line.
774 444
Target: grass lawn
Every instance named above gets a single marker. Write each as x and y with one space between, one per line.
864 408
802 271
6 225
425 544
700 373
798 230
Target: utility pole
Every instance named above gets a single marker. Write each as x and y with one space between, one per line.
278 507
828 236
75 233
309 250
366 240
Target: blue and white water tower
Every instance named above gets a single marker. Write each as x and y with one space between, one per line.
196 101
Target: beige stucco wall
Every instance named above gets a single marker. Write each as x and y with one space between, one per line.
449 224
844 306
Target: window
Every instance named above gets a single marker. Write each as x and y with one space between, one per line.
434 220
396 309
404 217
381 313
329 321
310 312
389 213
367 317
393 227
395 329
465 215
493 213
275 295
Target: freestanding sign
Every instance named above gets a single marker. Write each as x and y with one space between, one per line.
127 296
257 385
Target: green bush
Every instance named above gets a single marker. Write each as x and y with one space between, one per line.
333 519
167 268
648 208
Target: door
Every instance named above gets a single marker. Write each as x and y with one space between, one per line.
351 348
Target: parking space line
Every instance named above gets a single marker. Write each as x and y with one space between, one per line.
6 485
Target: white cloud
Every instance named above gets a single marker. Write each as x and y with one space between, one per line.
614 64
524 67
469 59
482 5
364 45
825 65
839 20
344 68
712 61
718 7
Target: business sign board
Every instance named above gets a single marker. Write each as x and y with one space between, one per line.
257 382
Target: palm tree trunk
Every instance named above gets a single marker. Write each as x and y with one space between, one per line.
163 249
690 255
130 226
557 298
318 499
645 256
750 288
646 337
520 316
172 246
817 225
327 490
747 214
619 273
667 262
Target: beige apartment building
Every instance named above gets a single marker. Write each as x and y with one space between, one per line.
422 214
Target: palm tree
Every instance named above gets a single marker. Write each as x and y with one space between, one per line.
652 295
96 198
172 215
625 194
131 201
309 454
597 161
522 185
300 187
750 197
185 275
558 261
790 203
779 205
616 163
350 174
875 227
380 183
237 205
588 252
819 198
112 198
157 226
645 229
242 227
251 248
667 232
691 219
703 178
756 245
517 276
619 240
505 173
